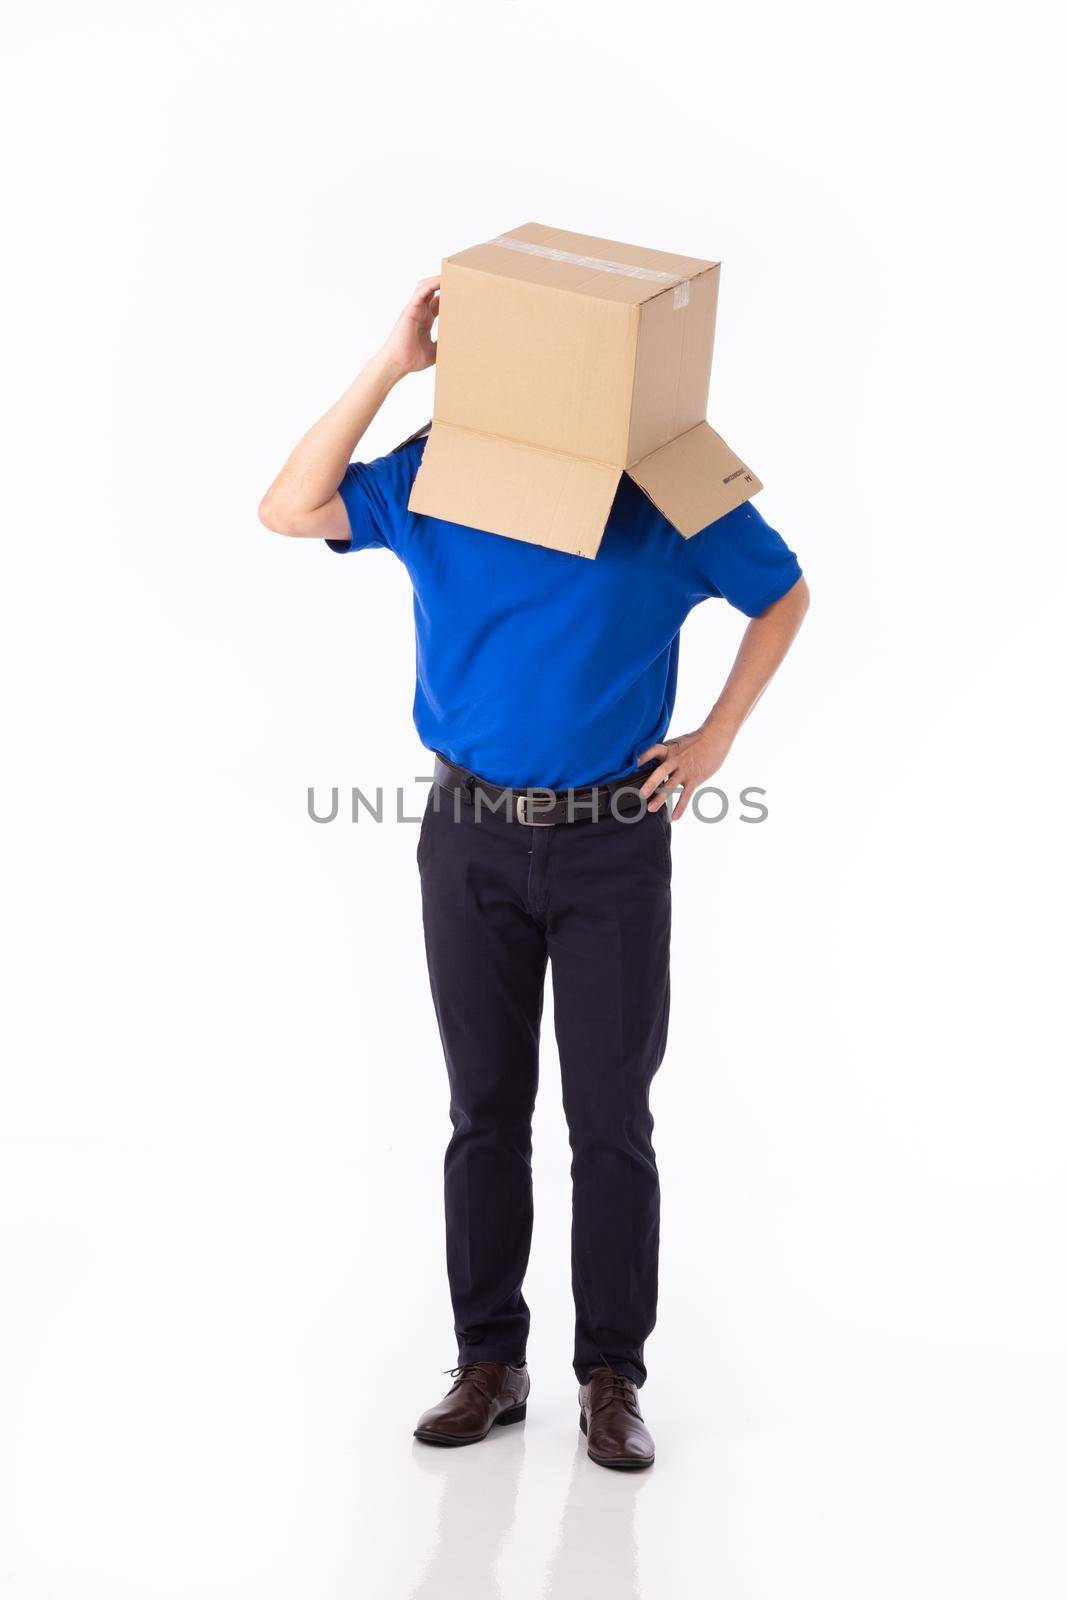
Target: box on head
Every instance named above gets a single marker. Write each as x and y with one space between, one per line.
564 361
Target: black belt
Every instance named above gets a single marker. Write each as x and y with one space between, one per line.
543 808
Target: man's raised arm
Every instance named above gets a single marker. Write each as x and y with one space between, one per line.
303 500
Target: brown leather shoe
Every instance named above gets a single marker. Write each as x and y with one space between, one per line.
484 1393
612 1422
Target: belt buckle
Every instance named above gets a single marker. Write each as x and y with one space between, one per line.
522 805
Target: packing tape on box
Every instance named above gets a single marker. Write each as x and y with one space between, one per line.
595 264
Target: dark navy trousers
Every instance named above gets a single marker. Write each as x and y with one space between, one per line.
500 900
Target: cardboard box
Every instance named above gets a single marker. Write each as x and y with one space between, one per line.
562 362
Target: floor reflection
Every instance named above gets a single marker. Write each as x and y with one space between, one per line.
596 1550
475 1517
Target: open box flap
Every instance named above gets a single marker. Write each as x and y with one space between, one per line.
517 490
695 479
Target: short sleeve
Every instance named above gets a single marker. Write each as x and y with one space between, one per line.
742 559
375 495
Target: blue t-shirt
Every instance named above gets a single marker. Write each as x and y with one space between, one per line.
540 668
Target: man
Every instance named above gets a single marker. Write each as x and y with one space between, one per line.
539 669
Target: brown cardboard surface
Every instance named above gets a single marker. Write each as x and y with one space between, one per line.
534 364
538 496
563 359
695 479
581 263
673 367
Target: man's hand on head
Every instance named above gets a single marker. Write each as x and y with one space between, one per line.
409 348
304 500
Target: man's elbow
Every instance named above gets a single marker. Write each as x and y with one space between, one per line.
277 516
792 605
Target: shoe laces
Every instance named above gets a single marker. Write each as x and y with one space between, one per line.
621 1390
472 1372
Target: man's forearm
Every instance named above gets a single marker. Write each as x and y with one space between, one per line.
763 648
303 499
312 473
688 761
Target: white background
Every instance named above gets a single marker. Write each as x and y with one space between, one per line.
223 1107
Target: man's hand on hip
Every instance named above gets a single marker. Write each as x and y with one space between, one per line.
689 761
685 763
